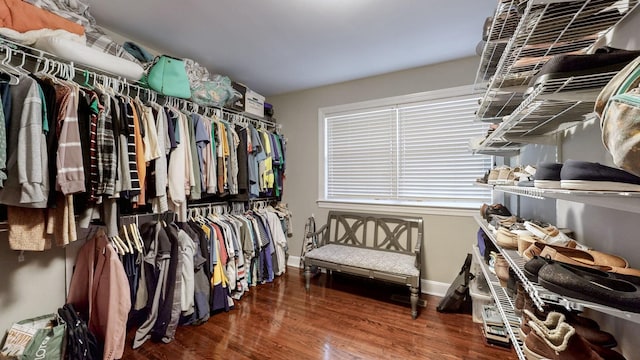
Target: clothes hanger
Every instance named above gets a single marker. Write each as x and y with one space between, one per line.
118 245
128 240
12 73
137 241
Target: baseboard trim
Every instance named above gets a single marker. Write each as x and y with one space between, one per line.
434 287
294 261
430 287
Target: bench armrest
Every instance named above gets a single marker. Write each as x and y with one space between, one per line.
317 232
417 250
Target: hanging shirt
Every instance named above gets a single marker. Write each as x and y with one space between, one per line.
266 167
243 165
176 179
107 156
27 161
209 177
141 164
3 148
129 120
256 156
196 183
159 203
93 147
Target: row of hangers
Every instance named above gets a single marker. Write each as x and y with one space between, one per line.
129 240
12 73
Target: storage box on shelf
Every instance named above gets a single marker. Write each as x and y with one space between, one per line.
480 296
503 303
254 103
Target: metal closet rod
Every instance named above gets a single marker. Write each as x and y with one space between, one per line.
70 71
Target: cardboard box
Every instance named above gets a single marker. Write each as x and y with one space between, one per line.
238 105
254 103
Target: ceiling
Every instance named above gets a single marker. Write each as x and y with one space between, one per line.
279 46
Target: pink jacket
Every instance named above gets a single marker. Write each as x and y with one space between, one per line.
99 290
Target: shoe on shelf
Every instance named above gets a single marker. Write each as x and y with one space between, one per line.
533 266
506 176
589 258
552 235
572 317
556 48
524 242
562 344
548 176
493 176
590 176
501 267
525 177
587 286
485 178
497 222
554 322
508 239
487 211
604 60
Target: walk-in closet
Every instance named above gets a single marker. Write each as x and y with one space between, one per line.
319 179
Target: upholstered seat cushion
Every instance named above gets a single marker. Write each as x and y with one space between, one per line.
377 260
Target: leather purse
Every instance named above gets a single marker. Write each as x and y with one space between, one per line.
167 76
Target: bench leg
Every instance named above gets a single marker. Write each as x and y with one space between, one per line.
307 277
414 302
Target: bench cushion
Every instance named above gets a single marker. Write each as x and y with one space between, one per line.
383 261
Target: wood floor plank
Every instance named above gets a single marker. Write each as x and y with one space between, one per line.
341 317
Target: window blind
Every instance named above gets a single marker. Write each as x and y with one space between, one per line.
406 153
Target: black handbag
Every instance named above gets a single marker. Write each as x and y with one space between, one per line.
457 298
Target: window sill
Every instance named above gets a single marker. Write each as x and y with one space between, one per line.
413 209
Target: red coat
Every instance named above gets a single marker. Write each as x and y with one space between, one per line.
99 290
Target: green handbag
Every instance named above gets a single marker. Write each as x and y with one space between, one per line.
168 76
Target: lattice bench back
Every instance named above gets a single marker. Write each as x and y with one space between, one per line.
383 232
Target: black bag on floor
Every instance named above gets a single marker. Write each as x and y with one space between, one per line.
81 343
457 298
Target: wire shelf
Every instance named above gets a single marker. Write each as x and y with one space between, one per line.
540 295
526 104
619 200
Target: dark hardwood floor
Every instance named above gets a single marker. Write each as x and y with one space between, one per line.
341 318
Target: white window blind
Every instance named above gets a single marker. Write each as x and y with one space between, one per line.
406 153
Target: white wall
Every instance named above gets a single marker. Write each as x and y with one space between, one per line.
35 286
448 238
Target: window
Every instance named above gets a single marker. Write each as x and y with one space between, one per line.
410 150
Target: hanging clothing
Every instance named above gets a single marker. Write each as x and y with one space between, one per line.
99 290
176 173
156 266
27 183
159 168
107 156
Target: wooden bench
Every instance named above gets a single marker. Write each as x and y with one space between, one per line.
383 247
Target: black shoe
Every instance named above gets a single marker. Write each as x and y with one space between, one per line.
564 66
588 286
584 175
487 211
547 176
